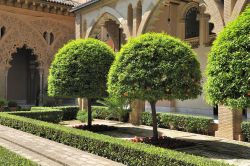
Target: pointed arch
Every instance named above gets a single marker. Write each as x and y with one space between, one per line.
238 8
113 14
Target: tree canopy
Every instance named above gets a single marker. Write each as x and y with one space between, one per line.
228 69
153 67
80 69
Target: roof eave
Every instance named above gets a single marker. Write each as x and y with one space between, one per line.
74 9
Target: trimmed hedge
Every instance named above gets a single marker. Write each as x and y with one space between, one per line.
9 158
102 112
188 123
123 151
246 130
69 112
49 115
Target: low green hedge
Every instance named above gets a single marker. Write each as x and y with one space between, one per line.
102 112
69 112
8 158
49 115
246 130
188 123
129 153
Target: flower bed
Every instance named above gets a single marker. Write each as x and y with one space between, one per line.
123 151
95 128
164 142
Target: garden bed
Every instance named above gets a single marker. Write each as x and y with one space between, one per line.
164 142
95 128
115 149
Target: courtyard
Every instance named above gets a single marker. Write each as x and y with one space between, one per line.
125 82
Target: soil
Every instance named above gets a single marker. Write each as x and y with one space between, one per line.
164 142
95 128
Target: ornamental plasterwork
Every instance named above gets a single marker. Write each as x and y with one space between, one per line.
20 32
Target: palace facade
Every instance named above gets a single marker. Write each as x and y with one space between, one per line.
31 32
195 21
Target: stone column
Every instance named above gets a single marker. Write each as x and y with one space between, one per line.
83 103
138 106
248 114
204 26
41 75
103 32
4 81
173 106
181 29
229 123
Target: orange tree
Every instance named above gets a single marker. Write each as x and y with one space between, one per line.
80 70
228 68
154 67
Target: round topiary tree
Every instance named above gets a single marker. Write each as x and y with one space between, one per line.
154 67
228 69
80 70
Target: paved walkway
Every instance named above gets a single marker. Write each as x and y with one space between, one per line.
233 152
46 152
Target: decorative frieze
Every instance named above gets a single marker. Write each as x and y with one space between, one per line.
61 8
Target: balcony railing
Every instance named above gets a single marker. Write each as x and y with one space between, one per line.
194 42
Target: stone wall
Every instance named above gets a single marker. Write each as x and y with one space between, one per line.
40 31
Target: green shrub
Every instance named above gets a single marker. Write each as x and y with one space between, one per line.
146 119
188 123
129 153
3 102
82 116
8 158
12 104
228 69
117 108
69 112
103 112
246 130
49 115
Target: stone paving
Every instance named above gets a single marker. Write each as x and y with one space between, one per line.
46 152
233 152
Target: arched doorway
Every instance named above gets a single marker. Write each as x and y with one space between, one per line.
23 77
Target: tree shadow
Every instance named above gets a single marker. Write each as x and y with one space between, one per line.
217 149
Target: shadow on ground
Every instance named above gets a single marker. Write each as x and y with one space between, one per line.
217 149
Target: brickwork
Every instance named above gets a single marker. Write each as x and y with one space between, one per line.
229 123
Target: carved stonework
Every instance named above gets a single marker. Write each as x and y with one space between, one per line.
30 33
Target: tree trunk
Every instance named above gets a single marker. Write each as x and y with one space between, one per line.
89 114
155 132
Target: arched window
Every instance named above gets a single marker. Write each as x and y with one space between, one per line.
191 23
2 31
51 38
138 14
45 35
130 17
